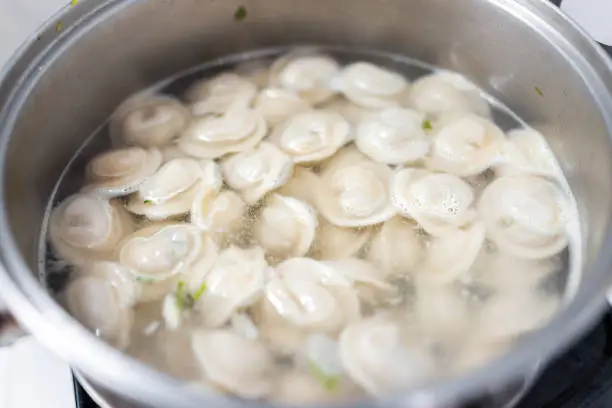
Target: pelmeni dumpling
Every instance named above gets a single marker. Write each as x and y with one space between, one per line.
525 151
96 303
452 254
311 136
397 248
332 242
233 363
371 86
393 136
366 279
128 290
465 145
120 172
210 137
220 215
172 152
255 172
302 185
278 104
377 357
86 227
217 95
236 280
308 74
313 295
286 227
355 193
439 203
353 113
525 216
444 93
172 189
162 251
275 331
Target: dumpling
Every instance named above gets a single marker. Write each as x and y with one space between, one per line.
278 333
256 71
86 227
220 215
332 242
312 295
393 136
148 120
172 189
235 281
286 227
525 216
452 255
241 366
376 357
397 248
353 113
445 93
278 104
307 73
367 280
128 291
526 152
311 136
120 172
211 137
255 172
302 186
371 86
465 145
219 94
439 203
355 193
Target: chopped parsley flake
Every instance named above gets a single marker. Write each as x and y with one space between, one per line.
145 279
59 26
330 382
427 125
184 299
539 91
148 201
240 13
200 292
74 2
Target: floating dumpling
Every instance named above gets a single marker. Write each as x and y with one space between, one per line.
525 152
371 86
218 95
278 104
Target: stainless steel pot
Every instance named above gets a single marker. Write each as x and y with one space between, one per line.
66 80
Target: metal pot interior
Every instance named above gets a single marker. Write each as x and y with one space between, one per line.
65 83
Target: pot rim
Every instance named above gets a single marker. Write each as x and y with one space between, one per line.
119 373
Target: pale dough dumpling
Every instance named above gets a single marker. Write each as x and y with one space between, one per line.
255 172
120 172
275 331
526 152
220 215
211 137
304 72
353 113
371 86
302 185
332 242
439 203
219 94
374 355
233 363
172 189
278 104
286 227
311 136
465 145
525 216
235 281
444 93
393 136
86 227
148 120
367 279
355 193
397 248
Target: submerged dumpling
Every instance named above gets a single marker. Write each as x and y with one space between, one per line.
302 185
311 136
525 216
86 227
220 214
465 145
221 93
525 152
286 227
255 172
333 242
438 202
120 172
371 86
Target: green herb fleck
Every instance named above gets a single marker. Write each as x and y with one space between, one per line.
200 292
240 13
74 2
427 125
58 26
148 201
145 279
184 300
330 382
539 91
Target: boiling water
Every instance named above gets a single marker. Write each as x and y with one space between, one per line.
171 351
